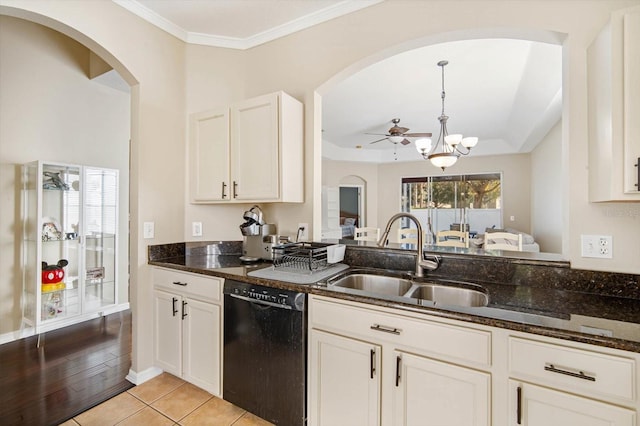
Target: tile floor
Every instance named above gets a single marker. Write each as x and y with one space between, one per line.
166 400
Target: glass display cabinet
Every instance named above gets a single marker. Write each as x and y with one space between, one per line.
70 222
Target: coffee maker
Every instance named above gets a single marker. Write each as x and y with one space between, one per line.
254 230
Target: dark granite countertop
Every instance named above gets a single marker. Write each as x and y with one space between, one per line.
550 309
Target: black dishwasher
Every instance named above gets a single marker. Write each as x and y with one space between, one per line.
265 352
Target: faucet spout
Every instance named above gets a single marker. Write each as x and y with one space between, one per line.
421 263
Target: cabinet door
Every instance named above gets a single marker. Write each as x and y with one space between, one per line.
429 392
209 156
613 72
532 405
168 332
202 345
345 381
631 74
255 149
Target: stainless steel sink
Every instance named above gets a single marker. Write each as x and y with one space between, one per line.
448 295
378 284
382 286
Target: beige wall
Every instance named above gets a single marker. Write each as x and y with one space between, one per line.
153 62
50 110
305 63
546 193
317 57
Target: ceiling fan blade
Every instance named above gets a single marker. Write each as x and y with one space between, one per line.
418 135
378 134
379 140
405 142
398 129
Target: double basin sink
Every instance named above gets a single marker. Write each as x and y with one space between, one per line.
385 286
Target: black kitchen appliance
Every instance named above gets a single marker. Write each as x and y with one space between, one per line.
265 352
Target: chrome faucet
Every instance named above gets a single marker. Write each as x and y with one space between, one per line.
420 261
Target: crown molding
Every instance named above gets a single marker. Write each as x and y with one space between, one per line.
342 8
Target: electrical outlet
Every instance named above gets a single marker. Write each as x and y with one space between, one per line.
148 230
303 232
196 229
599 246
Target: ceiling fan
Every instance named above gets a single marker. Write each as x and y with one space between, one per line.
398 134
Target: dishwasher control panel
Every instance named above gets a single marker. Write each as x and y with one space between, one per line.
286 299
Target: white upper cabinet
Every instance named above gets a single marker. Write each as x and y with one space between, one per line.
614 109
209 156
249 152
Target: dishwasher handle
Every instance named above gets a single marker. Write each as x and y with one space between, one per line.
260 302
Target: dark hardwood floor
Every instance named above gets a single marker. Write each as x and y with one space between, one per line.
75 369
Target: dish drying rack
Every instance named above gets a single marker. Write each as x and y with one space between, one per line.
303 257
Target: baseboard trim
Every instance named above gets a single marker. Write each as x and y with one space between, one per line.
16 335
138 378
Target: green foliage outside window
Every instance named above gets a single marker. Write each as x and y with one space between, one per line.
466 191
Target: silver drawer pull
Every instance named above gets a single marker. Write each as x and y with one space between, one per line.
576 373
179 283
385 329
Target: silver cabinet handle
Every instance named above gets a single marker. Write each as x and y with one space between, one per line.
224 186
179 283
385 329
567 372
637 166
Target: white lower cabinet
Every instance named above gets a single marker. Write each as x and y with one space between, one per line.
373 365
533 405
555 383
375 368
346 380
430 392
188 327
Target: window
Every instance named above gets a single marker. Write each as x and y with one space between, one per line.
447 202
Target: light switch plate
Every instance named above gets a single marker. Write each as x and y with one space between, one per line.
303 232
148 230
196 229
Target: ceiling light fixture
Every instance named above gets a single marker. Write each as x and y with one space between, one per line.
450 144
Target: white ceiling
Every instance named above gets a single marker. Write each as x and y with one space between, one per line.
506 92
238 24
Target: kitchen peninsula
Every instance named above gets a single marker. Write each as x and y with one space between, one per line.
535 289
549 333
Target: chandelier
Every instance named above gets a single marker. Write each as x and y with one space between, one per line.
448 147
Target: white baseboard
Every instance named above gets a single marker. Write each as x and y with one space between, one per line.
16 335
143 376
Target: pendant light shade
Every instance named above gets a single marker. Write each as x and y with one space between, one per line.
423 145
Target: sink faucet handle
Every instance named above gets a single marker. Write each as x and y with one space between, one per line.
430 262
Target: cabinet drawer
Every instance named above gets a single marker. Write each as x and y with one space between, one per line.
197 286
575 370
426 336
